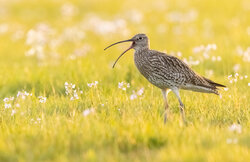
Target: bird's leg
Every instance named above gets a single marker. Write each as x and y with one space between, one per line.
165 93
176 92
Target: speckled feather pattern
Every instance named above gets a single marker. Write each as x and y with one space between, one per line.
166 71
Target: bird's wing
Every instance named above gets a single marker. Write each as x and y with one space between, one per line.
177 70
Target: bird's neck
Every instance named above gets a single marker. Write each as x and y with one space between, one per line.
141 49
142 52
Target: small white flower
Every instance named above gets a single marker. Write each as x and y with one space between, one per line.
7 106
23 94
123 85
13 112
235 128
88 111
120 85
236 67
42 99
133 96
17 105
6 99
93 84
248 84
140 92
226 89
38 120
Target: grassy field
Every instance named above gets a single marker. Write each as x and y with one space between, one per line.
62 101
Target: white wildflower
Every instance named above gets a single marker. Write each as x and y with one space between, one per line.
140 92
38 120
70 90
244 54
133 96
235 128
123 85
7 106
13 112
88 111
236 67
136 94
42 99
93 84
6 99
23 94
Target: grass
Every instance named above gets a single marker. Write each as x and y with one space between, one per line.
104 124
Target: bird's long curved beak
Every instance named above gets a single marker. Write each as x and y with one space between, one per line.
121 55
129 40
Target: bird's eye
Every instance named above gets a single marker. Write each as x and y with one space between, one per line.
140 38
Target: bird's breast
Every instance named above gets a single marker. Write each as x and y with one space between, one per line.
146 68
153 70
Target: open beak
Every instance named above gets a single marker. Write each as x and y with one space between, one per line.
129 40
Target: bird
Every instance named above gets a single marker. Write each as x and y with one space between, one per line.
166 72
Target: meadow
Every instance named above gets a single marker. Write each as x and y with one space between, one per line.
60 99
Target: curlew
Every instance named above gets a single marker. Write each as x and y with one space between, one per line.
166 72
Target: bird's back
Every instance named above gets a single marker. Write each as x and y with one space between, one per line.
166 71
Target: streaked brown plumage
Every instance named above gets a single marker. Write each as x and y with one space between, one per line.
167 72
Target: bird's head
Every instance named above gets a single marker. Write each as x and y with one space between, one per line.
139 42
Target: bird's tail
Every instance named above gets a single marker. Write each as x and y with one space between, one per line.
214 85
